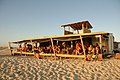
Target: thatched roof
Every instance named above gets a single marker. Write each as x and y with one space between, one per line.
78 25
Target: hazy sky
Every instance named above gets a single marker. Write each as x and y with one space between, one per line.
21 19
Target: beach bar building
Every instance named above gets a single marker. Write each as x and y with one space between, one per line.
73 32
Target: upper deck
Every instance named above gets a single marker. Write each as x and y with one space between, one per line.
78 27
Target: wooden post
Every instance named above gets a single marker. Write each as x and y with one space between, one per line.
64 30
57 42
68 28
82 45
83 28
110 42
73 31
53 47
39 44
100 43
106 45
71 44
36 45
32 45
87 26
77 31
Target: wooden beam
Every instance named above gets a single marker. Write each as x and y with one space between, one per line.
32 45
100 38
39 44
73 31
77 31
87 26
64 30
82 45
71 44
70 56
83 28
53 47
69 28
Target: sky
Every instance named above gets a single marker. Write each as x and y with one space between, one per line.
21 19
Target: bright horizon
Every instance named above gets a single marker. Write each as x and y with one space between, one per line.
21 19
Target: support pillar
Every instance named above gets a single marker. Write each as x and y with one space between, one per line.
100 38
83 46
53 47
83 28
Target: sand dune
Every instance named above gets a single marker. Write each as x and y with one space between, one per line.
22 68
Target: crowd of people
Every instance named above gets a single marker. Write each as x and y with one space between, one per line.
92 52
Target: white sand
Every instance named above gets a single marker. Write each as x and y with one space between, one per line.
30 68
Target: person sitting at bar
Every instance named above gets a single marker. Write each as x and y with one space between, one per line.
79 49
51 49
48 49
57 49
89 55
41 50
25 47
97 49
36 53
29 48
98 53
64 49
90 48
94 55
